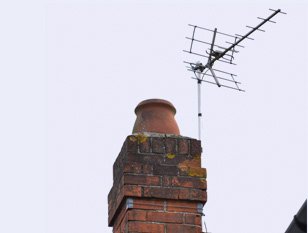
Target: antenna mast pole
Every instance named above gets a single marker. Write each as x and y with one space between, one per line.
199 106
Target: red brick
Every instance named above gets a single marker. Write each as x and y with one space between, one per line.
198 172
198 195
149 204
186 182
120 217
167 170
137 215
132 190
161 192
142 180
175 159
194 161
184 194
131 143
114 206
132 167
182 206
181 228
151 158
193 219
138 168
183 146
124 224
118 230
170 145
158 145
112 193
165 217
148 158
145 147
142 227
195 147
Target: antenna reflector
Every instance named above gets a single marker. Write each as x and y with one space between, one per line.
234 88
210 30
204 42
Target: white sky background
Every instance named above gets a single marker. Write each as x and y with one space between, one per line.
72 72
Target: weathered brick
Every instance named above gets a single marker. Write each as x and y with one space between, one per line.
198 195
165 170
120 217
114 206
161 192
181 206
137 215
142 180
183 146
131 143
112 193
181 228
133 167
124 223
170 145
148 158
175 159
164 217
145 227
158 145
144 146
152 158
138 168
118 165
149 204
195 147
193 172
116 191
193 219
186 182
194 161
184 194
132 190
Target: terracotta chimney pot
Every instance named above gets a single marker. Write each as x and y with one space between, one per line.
156 116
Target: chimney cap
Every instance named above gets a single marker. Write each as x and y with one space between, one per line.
155 116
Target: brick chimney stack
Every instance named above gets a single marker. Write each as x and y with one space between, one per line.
158 183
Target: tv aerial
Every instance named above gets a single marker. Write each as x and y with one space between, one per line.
219 50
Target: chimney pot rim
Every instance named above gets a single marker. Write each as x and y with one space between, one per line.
155 101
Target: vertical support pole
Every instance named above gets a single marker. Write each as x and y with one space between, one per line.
199 106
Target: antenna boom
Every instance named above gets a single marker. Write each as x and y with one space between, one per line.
245 36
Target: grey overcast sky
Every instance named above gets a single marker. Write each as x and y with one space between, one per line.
72 72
